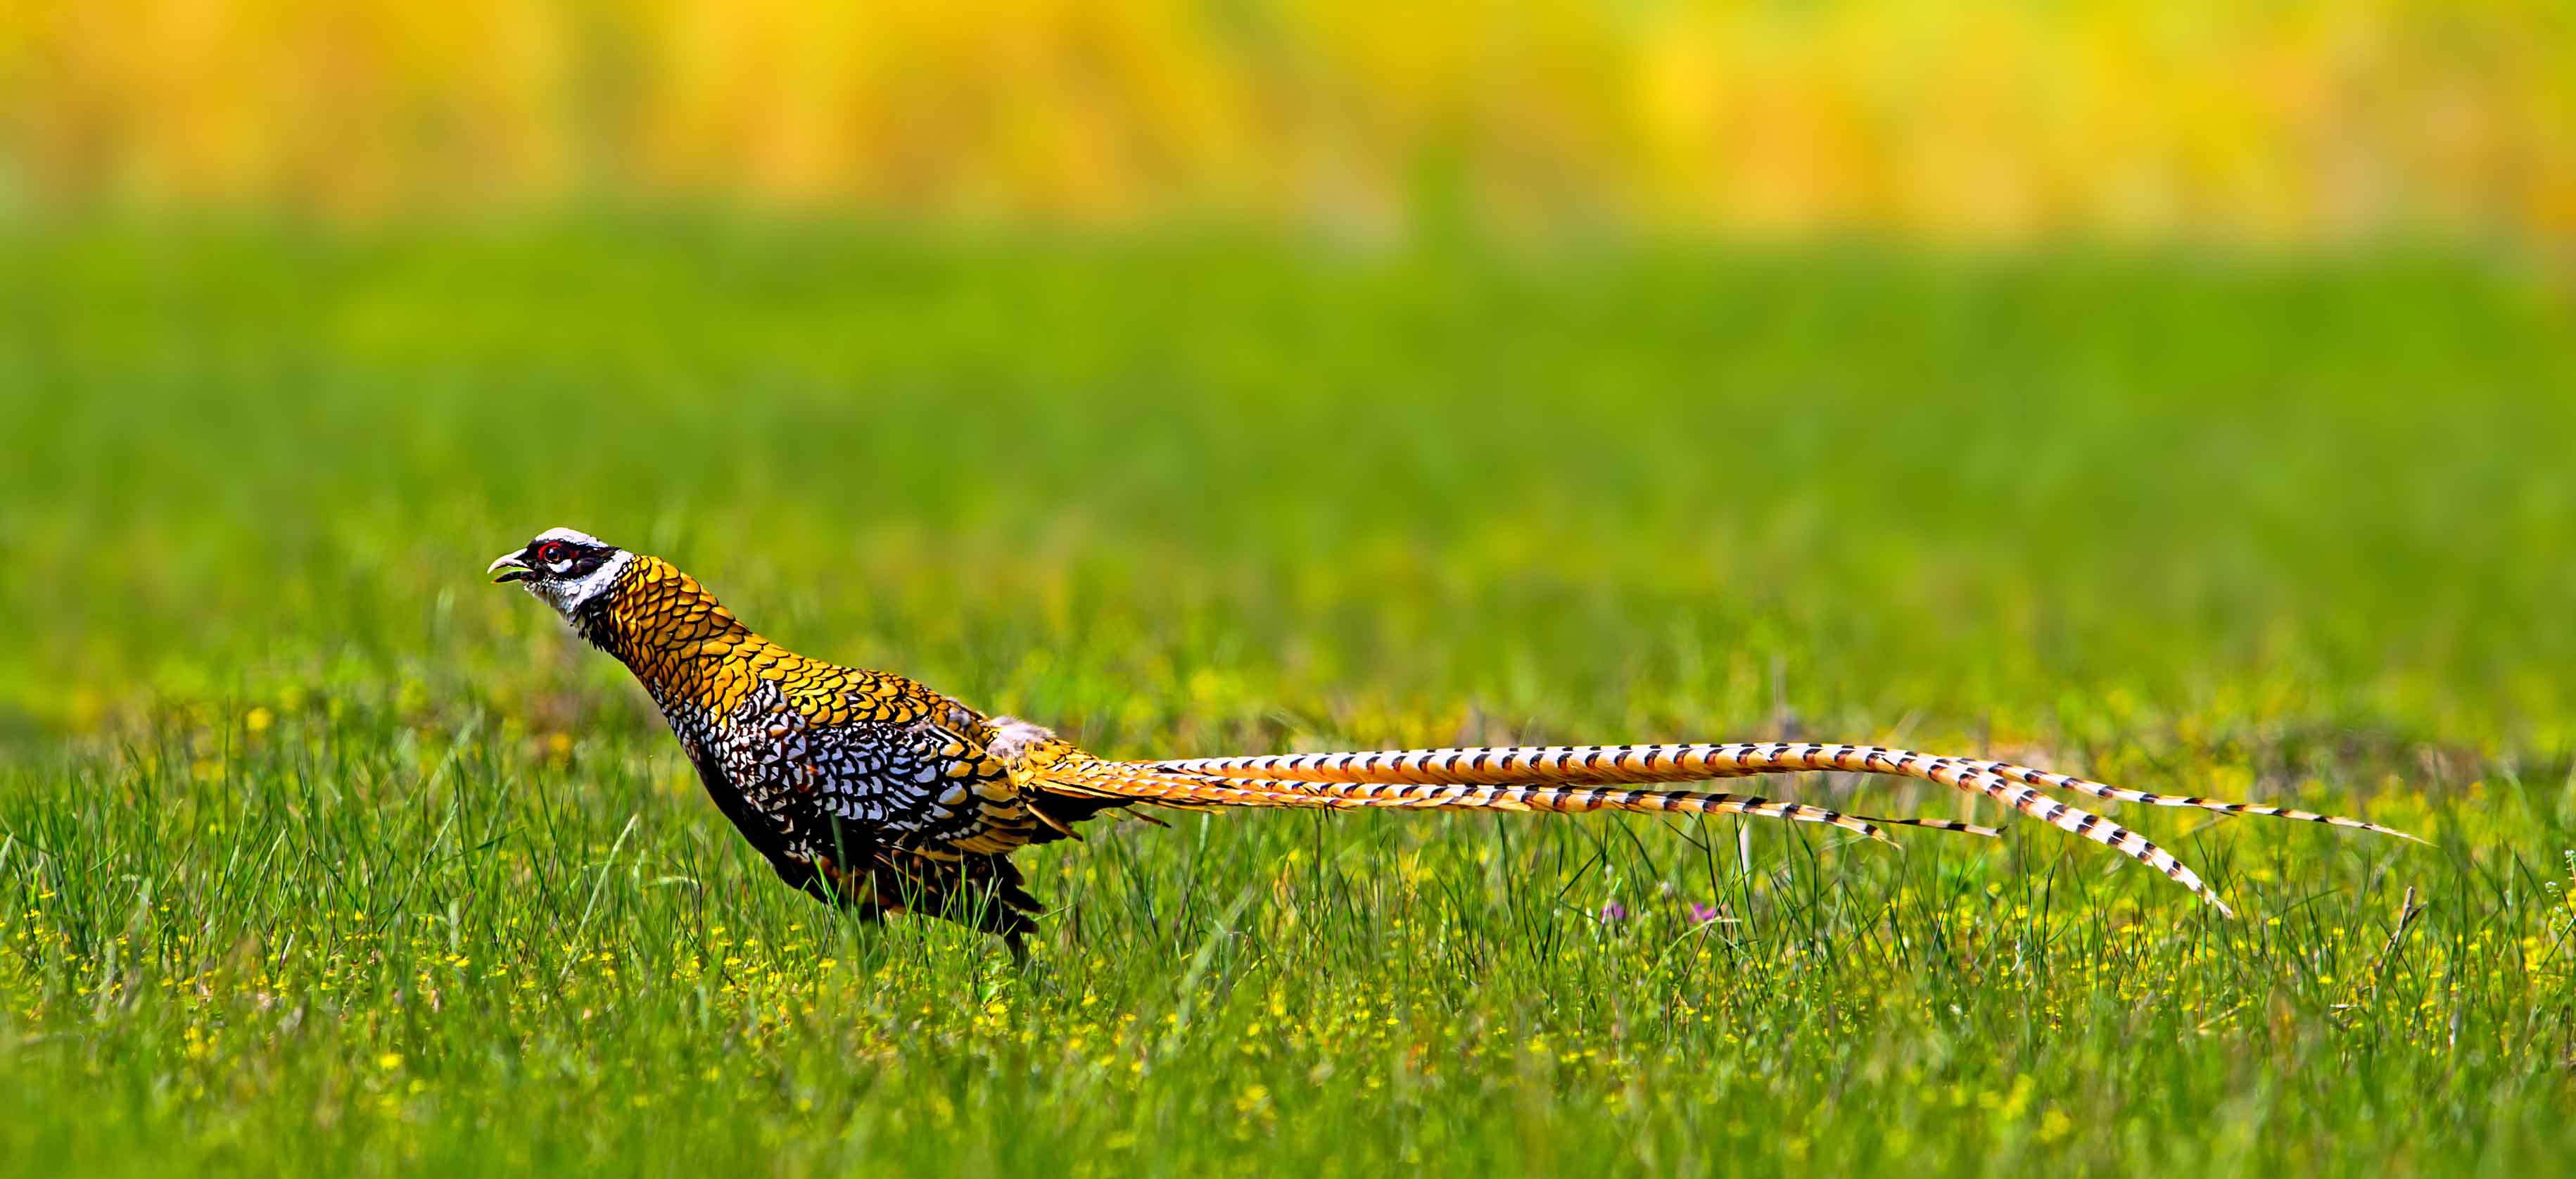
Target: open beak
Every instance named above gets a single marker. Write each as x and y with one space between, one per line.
509 567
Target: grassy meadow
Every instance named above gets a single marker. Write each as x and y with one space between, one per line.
320 855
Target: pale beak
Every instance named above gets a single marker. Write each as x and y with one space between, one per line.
509 567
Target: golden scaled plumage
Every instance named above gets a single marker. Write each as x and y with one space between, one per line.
681 641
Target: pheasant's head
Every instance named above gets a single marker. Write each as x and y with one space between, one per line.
566 569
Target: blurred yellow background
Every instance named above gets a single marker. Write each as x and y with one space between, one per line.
2198 119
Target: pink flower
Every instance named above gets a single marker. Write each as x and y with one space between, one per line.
1613 911
1702 914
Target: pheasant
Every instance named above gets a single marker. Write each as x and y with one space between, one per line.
872 791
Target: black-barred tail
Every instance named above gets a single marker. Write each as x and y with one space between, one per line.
1081 776
2054 781
1569 767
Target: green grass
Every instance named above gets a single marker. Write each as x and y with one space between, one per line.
319 854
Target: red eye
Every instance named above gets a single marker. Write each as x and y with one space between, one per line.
553 551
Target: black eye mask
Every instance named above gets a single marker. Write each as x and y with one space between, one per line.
567 561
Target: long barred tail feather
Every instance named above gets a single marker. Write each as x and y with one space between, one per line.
2054 781
1965 777
1562 767
1151 782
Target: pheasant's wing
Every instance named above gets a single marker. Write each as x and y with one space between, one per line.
886 762
957 782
